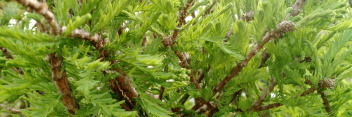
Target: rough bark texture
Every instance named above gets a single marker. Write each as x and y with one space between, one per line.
61 82
42 9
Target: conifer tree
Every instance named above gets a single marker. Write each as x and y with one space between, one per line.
90 58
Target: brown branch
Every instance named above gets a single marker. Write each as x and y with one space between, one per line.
308 91
324 83
208 11
325 101
161 93
194 80
124 87
262 97
265 57
297 8
9 56
183 13
182 101
95 39
228 35
266 107
170 41
122 84
58 76
115 87
12 110
199 102
235 95
201 75
249 16
61 82
283 27
42 9
270 35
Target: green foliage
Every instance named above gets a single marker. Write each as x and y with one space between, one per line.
213 41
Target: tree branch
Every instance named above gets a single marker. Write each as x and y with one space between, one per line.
268 36
296 8
9 56
266 107
170 41
61 82
58 76
42 9
161 93
262 97
121 85
12 110
325 101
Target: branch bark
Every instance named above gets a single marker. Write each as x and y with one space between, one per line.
9 56
170 41
262 97
61 82
42 9
122 84
266 107
268 36
297 8
325 101
12 110
58 75
162 89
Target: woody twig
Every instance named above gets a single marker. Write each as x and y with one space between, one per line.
58 75
283 27
297 8
61 82
170 41
325 101
121 85
262 97
42 9
9 56
12 110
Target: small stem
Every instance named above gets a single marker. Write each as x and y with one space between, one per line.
267 107
199 102
228 35
325 101
12 110
268 36
265 57
209 10
235 95
297 8
161 93
308 91
170 41
194 80
9 56
262 97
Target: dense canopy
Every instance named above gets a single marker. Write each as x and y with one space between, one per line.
91 58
